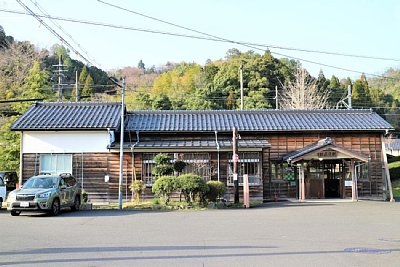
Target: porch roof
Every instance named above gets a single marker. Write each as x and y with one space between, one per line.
319 146
200 144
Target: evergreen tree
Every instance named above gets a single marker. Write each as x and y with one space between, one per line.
87 90
141 65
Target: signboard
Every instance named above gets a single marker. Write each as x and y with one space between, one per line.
289 174
327 154
348 183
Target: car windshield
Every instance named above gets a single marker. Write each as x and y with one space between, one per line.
42 182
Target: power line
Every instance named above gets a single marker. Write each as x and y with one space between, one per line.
41 9
260 45
251 45
37 17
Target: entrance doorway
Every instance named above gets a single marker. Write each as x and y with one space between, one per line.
325 179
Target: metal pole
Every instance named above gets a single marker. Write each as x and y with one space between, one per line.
276 97
121 147
349 96
76 87
235 166
241 88
59 81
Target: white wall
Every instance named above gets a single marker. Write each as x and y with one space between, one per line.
65 142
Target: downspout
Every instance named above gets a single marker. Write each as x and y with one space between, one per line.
133 156
216 141
386 167
133 160
21 158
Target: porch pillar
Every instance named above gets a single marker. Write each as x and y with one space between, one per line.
354 196
302 193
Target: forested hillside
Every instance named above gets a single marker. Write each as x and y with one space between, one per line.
28 72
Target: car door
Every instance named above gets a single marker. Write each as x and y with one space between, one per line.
2 190
70 188
63 192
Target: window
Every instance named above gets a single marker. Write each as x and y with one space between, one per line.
361 171
249 163
197 163
55 163
282 171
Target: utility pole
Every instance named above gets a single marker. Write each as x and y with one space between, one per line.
235 159
349 96
342 102
276 97
76 86
241 88
121 147
59 72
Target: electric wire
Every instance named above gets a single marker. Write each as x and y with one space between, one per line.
250 45
45 13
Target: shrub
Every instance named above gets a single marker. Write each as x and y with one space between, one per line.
179 166
85 196
216 190
138 187
164 187
192 186
163 165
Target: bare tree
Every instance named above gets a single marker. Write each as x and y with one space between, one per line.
303 93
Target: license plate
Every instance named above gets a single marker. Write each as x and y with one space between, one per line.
24 204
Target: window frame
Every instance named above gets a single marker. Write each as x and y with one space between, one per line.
54 160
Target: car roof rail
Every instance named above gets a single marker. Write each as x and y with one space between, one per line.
45 173
65 174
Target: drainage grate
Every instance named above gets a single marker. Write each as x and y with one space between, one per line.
367 250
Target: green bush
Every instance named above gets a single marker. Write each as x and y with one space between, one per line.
137 187
85 196
163 165
164 187
193 186
216 190
179 166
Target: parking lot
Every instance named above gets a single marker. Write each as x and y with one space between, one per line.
365 233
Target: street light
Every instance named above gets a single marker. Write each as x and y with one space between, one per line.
121 146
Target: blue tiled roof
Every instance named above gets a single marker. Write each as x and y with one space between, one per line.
392 143
255 120
69 116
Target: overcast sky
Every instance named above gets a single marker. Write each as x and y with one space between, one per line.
367 28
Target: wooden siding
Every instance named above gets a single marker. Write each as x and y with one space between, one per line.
90 168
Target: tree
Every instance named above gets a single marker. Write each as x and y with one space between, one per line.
161 102
360 93
36 85
141 65
87 90
163 165
303 93
337 91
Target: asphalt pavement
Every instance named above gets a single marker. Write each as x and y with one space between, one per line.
365 233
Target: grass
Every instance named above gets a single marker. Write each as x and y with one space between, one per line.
156 204
396 188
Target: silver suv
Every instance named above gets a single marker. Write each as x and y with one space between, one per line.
48 193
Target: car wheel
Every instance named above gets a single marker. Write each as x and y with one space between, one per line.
77 204
15 213
55 207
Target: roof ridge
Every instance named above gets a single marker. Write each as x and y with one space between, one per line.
89 103
252 111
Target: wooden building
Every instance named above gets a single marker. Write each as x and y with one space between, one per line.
302 154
